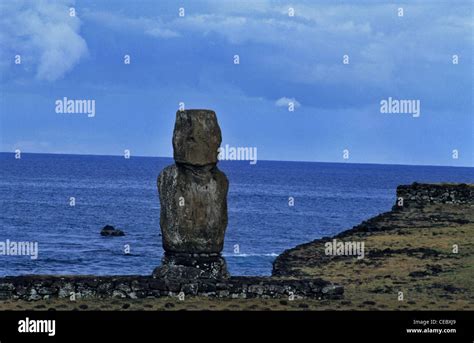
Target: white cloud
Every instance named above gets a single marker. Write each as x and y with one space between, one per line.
284 102
148 26
44 34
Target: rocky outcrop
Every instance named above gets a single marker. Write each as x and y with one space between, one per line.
193 198
37 287
109 230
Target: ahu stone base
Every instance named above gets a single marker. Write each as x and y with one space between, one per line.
192 267
38 287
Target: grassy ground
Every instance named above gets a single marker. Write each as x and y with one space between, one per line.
434 278
415 257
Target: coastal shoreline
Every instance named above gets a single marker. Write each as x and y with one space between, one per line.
418 256
408 250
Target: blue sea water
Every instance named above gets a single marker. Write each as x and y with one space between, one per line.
35 193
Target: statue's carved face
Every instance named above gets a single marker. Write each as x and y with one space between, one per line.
196 137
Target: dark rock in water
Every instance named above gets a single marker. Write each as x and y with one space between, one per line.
193 197
193 209
196 137
109 230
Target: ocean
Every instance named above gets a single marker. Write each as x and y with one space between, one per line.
35 206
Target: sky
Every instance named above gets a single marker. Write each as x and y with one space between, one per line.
283 60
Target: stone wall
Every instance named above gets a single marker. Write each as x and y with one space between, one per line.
419 194
37 287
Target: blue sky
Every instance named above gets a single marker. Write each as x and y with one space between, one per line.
190 59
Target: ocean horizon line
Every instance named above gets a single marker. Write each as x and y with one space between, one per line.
260 160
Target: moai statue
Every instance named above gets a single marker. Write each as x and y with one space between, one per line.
193 197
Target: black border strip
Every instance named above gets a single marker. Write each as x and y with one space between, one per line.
363 325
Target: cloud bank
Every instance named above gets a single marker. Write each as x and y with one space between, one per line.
44 35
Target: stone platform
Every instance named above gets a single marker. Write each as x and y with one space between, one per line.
38 287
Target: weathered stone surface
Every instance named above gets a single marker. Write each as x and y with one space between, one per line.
192 266
133 286
193 209
193 197
418 195
196 137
